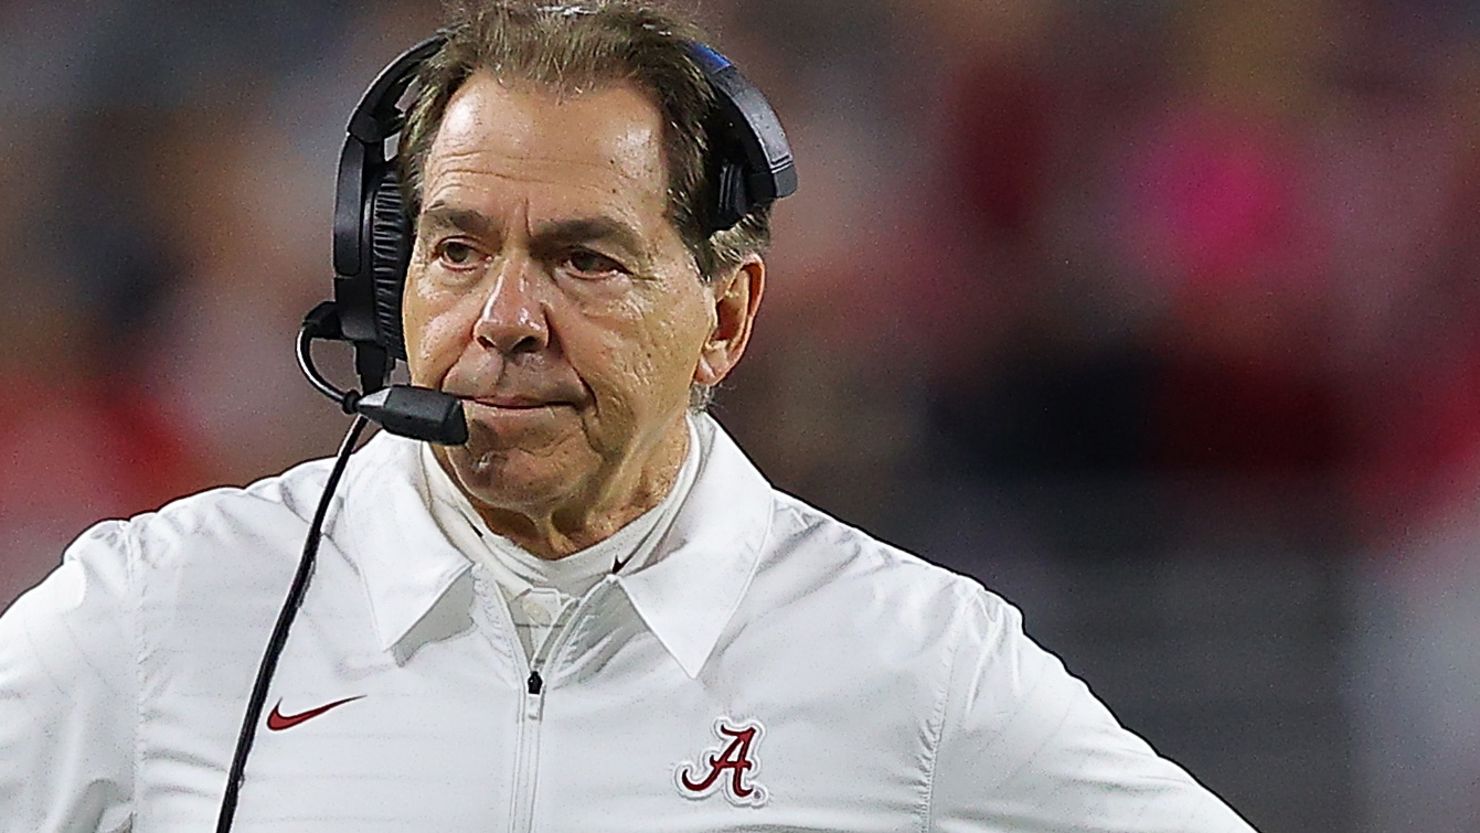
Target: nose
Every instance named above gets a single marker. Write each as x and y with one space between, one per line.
513 316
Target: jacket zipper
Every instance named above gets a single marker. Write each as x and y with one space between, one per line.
528 752
521 819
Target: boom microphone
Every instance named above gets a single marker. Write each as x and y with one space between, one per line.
418 413
404 410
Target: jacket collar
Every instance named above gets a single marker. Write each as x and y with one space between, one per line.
686 594
405 561
692 586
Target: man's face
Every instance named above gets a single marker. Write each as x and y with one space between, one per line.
549 291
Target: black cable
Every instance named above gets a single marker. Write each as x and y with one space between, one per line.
346 399
284 622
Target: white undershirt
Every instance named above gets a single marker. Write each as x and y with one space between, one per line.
539 591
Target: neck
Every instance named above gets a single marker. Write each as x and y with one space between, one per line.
590 516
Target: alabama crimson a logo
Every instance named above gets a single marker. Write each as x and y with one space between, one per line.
729 767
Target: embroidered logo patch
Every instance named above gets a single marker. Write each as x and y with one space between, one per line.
730 766
277 721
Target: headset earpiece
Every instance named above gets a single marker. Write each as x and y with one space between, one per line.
372 233
391 238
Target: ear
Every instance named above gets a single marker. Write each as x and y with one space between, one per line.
736 297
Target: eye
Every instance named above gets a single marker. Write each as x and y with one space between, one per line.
585 263
455 254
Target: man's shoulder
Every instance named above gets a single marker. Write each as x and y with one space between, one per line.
275 506
855 568
835 545
218 560
217 529
270 507
87 606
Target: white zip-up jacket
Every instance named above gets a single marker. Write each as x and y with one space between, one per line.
769 669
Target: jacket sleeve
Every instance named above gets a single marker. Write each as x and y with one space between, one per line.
68 694
1025 747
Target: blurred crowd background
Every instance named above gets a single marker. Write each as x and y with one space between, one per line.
1161 318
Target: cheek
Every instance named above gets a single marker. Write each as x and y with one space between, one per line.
436 326
642 359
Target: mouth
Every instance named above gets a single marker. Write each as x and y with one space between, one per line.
516 403
520 403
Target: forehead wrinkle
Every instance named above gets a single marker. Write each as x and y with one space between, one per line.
454 200
470 188
463 169
635 152
524 175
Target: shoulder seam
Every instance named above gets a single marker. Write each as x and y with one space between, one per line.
258 492
132 606
927 820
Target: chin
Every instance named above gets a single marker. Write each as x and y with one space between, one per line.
513 479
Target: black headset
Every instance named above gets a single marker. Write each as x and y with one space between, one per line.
750 165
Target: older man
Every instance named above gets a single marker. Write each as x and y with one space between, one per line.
595 614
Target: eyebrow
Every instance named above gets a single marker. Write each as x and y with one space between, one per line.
463 219
549 236
591 230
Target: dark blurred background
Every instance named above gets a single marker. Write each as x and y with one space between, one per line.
1161 318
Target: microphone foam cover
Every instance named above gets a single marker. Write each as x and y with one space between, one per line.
418 413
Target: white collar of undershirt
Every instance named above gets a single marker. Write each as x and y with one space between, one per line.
517 570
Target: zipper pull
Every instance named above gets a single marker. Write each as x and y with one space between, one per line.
533 702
